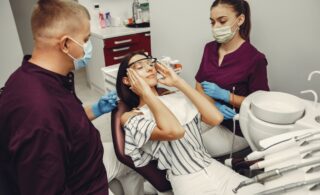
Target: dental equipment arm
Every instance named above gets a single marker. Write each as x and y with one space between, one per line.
290 187
312 73
302 152
315 95
279 146
273 173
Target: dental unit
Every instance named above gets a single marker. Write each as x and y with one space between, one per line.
261 178
265 114
303 151
314 182
282 145
284 131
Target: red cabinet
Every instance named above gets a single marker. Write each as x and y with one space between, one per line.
115 49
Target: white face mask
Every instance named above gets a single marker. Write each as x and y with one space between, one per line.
224 34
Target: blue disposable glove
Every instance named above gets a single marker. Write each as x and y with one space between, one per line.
227 112
214 91
105 104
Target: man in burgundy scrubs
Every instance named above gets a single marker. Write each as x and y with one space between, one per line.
48 144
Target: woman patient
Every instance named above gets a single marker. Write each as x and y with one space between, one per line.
166 127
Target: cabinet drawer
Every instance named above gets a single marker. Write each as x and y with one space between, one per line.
115 55
145 42
121 41
116 49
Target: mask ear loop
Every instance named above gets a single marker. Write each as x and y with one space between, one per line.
77 44
235 22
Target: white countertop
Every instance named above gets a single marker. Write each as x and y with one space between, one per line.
110 32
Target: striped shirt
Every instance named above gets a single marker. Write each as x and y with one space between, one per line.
184 156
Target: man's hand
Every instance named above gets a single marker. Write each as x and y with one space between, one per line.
105 104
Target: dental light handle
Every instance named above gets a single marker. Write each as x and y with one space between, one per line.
261 178
265 163
291 186
278 147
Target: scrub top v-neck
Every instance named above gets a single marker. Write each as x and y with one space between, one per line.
245 69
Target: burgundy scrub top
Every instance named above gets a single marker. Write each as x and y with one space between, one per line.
245 69
47 143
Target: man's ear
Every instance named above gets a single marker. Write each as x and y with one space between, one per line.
63 44
125 81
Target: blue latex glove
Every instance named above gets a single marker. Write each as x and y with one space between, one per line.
105 104
227 112
214 91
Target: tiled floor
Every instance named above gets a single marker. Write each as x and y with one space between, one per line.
88 97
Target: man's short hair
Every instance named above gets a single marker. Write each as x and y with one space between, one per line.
54 18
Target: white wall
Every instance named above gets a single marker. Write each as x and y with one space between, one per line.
22 10
117 8
287 31
180 29
11 51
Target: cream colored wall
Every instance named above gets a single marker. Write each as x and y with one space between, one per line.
287 31
11 51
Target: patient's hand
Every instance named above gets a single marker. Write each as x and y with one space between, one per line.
138 85
170 78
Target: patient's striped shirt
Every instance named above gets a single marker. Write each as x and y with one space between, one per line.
183 156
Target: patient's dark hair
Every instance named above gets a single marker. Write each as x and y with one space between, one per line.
240 7
123 91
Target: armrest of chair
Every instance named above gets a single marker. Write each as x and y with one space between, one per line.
150 172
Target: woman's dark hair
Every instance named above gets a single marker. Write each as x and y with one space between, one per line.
123 91
240 7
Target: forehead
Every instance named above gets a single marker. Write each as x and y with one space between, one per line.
222 10
136 57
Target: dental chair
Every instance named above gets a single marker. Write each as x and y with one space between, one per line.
150 172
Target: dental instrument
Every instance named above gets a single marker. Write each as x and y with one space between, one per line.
302 152
291 186
279 146
277 172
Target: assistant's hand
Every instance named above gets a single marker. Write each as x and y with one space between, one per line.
105 104
170 78
227 112
214 91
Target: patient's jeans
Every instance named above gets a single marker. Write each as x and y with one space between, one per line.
216 179
218 140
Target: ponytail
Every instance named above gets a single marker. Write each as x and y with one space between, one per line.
246 26
240 7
